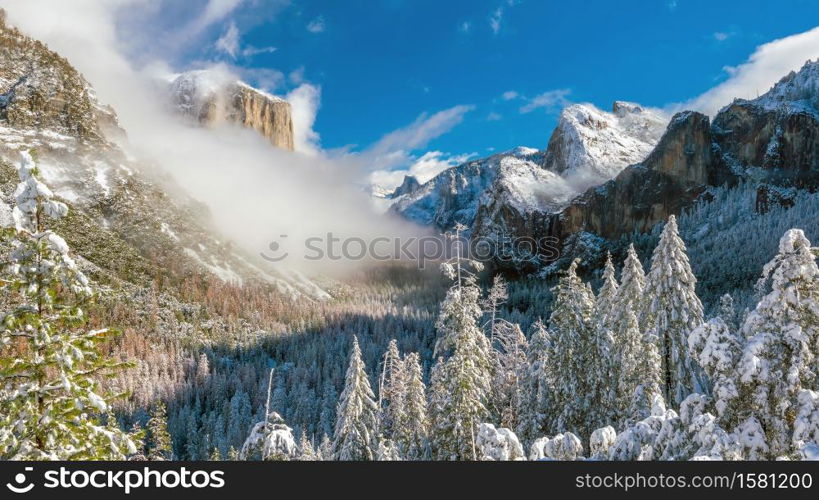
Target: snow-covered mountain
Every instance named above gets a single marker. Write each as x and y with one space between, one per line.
212 97
587 148
128 221
591 143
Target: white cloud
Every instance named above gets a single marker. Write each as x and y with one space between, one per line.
305 101
215 11
423 169
549 100
493 117
228 43
760 72
495 20
418 134
509 95
316 25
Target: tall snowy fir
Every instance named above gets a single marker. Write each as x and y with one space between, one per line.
356 429
462 384
671 310
52 402
779 368
606 295
412 432
392 391
576 360
536 419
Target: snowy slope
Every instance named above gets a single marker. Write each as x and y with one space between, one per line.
797 91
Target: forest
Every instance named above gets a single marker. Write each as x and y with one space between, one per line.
697 341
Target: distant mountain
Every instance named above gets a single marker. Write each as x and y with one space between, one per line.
587 147
212 98
606 175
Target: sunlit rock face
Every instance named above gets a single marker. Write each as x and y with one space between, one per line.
213 99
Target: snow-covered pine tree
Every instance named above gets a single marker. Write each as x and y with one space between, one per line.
356 430
630 292
671 309
49 364
412 432
509 386
606 295
779 361
306 451
638 370
575 360
537 411
391 391
463 379
159 440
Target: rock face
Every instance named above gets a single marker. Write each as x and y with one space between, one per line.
212 99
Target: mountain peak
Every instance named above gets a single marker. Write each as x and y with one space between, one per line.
598 145
797 89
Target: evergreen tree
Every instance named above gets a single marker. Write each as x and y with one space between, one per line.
576 358
671 311
412 433
606 295
357 414
538 411
779 363
638 371
49 363
306 451
509 386
159 440
392 391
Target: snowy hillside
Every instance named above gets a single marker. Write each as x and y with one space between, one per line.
797 91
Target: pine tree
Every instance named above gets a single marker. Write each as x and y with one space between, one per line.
306 451
538 411
356 430
779 362
606 295
464 378
638 371
575 359
509 386
49 364
159 440
412 432
630 292
671 311
392 391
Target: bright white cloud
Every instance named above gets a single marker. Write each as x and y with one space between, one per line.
760 72
509 95
317 25
305 101
549 100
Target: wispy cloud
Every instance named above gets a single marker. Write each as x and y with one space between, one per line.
721 36
550 100
420 132
423 168
509 95
317 25
493 117
764 67
230 44
495 20
465 27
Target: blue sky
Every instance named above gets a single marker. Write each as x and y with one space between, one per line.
380 64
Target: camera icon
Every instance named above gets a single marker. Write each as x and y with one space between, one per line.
20 479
